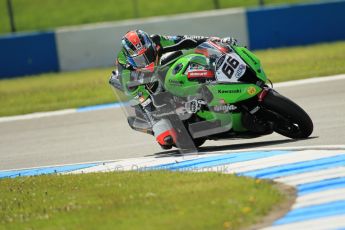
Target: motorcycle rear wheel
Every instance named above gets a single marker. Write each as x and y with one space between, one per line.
290 119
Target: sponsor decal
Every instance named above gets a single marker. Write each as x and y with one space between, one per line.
169 37
229 91
145 103
224 108
194 105
251 90
230 67
240 71
200 74
141 99
220 61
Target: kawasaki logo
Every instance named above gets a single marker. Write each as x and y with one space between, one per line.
230 91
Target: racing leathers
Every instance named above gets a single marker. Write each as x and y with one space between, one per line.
147 94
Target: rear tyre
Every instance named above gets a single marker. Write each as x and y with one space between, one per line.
289 119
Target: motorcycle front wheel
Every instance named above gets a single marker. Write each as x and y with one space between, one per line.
290 120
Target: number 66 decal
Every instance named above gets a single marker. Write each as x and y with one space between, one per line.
229 67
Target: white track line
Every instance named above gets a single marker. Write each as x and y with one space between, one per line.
69 111
37 115
289 158
184 157
309 177
326 223
310 81
141 163
320 198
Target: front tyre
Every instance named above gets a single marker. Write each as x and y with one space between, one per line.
289 119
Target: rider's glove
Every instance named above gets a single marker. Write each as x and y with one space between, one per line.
215 39
194 37
115 80
229 40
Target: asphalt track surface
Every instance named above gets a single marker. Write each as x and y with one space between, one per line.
104 134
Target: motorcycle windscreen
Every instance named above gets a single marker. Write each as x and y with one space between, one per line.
150 109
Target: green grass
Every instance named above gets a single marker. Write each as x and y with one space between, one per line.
55 91
89 87
135 200
48 14
287 64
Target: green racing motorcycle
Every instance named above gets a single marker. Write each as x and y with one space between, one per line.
214 91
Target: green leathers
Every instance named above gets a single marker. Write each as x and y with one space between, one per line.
217 90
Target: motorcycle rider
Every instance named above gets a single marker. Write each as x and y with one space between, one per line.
142 53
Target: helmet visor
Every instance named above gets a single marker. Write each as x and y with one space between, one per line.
144 59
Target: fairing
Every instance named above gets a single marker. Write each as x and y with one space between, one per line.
145 105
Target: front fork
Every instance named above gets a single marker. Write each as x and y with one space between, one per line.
255 118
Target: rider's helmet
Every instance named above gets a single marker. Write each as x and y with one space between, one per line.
139 49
